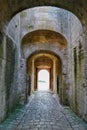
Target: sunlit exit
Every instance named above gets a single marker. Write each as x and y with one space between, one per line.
43 80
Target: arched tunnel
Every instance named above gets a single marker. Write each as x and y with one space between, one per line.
43 65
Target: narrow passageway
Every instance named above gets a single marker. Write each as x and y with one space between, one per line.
43 65
43 112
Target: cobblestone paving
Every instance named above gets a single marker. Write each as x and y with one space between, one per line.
43 112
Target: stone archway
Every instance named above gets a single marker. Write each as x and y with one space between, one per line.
73 44
50 62
44 36
46 41
73 6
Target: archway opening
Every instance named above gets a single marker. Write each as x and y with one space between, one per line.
43 80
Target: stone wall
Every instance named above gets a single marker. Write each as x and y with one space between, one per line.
13 79
2 77
39 18
9 71
46 18
76 67
48 61
9 75
9 78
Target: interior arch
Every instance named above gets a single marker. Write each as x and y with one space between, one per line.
73 58
72 6
45 36
46 61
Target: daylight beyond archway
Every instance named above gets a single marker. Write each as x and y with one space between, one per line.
43 65
43 80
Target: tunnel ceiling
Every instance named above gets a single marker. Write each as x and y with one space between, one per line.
44 36
8 8
43 60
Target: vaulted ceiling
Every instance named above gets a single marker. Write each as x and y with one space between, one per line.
44 36
8 8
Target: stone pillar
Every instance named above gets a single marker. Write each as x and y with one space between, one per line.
64 87
32 77
23 82
54 77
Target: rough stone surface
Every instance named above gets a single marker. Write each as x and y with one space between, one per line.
73 57
43 112
12 7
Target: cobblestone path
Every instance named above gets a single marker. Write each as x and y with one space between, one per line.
43 112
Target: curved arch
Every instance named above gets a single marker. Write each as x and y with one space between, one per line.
43 52
72 6
43 48
44 36
47 61
43 69
38 18
43 61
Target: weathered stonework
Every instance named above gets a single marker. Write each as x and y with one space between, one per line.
14 53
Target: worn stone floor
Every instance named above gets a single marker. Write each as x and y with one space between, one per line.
43 112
